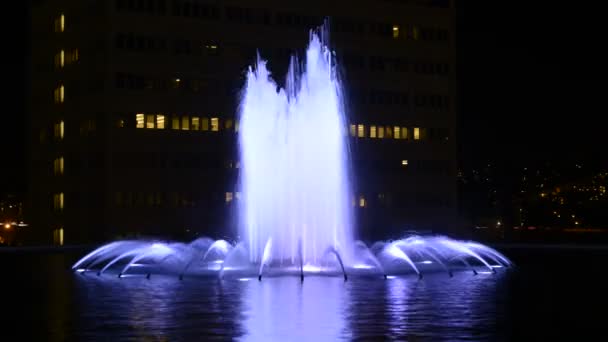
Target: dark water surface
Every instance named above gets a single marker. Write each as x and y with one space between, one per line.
552 294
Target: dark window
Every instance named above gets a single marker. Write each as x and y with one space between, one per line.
186 9
176 8
130 41
120 80
195 10
120 5
120 41
162 7
150 6
140 42
140 5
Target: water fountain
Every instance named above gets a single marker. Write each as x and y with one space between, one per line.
295 211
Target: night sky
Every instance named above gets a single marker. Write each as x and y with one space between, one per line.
531 82
530 76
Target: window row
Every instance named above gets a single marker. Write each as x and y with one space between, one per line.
140 82
398 132
400 200
184 122
395 64
255 16
87 127
147 43
213 87
176 8
369 165
388 132
175 160
395 98
175 199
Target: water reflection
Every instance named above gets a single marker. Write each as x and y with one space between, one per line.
281 309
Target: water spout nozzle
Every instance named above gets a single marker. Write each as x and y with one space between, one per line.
148 276
345 277
419 276
493 270
260 277
119 275
474 272
301 277
385 276
451 274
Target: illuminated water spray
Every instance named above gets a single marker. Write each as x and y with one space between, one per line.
294 160
295 209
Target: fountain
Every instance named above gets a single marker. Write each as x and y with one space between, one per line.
295 212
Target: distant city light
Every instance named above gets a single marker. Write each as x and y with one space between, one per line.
7 226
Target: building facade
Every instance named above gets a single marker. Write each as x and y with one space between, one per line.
133 123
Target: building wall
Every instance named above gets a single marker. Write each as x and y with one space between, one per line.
123 174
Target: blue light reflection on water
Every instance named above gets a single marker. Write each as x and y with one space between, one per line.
320 309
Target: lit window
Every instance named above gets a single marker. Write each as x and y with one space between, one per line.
228 124
236 125
75 55
139 119
416 133
215 124
228 197
58 237
176 82
353 130
389 132
362 202
58 201
185 123
403 132
205 124
60 23
59 130
361 131
372 131
380 132
415 32
149 120
196 123
60 59
58 166
160 121
397 132
237 195
404 162
59 94
175 122
395 31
